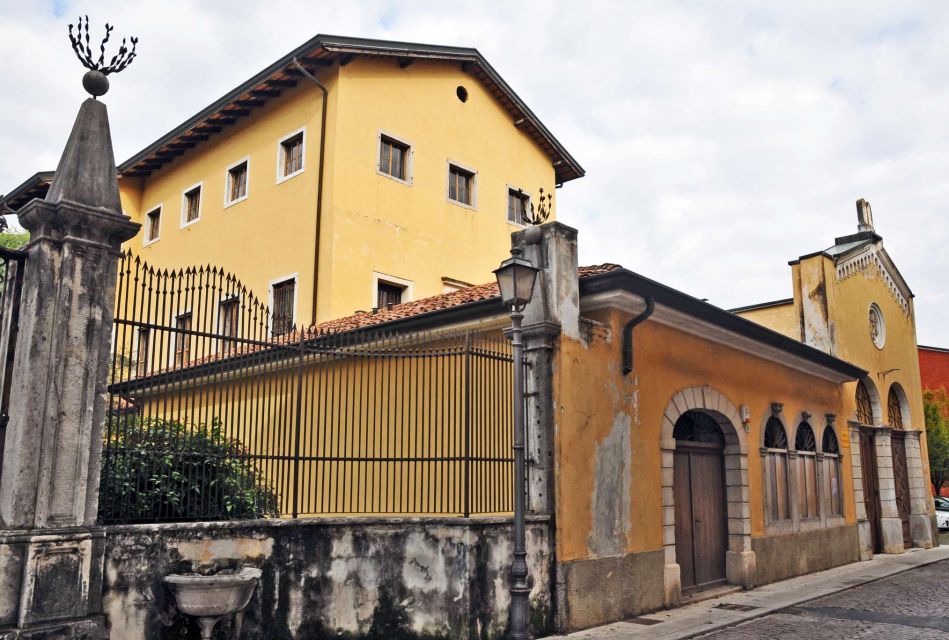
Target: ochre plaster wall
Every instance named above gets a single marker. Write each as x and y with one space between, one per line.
592 415
781 318
411 231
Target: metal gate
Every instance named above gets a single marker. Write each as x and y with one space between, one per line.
901 482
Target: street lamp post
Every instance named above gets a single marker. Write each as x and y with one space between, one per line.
516 277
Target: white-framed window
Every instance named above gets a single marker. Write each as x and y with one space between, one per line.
143 352
388 290
235 182
462 185
191 205
394 158
152 226
291 156
518 206
283 304
229 322
182 339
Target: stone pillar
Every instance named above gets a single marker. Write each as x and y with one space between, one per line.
740 563
891 524
554 309
51 550
864 536
920 519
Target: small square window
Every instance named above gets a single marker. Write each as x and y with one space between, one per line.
517 206
237 182
283 298
142 353
388 293
461 185
153 225
192 205
393 158
291 155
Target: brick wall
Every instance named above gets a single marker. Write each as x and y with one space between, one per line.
934 367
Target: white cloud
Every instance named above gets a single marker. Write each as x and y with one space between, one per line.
720 139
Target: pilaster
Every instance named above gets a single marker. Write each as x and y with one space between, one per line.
920 519
864 535
891 524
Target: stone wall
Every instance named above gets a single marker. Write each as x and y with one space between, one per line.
393 578
794 554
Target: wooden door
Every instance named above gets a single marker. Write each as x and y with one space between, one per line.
700 525
871 489
901 480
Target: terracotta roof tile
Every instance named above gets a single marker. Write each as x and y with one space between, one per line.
475 293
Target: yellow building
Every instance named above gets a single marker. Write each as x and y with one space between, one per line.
851 301
347 175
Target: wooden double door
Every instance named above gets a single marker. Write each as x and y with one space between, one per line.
871 484
700 521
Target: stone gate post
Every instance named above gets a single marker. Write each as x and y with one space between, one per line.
51 551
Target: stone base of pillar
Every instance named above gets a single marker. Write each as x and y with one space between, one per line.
865 540
920 528
892 529
741 568
671 586
50 578
88 629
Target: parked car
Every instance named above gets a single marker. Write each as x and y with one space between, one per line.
942 513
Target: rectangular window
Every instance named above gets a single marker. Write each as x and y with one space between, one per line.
152 225
461 185
393 157
192 205
807 485
291 155
182 339
237 182
228 317
283 294
388 294
517 205
776 468
141 356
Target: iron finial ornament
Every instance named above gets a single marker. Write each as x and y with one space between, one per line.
96 82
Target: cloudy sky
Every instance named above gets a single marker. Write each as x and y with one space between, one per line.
720 139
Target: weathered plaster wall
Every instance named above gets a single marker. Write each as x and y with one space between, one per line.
608 452
337 578
781 318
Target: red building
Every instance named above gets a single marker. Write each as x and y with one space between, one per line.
934 367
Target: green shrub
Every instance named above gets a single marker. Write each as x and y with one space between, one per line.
155 470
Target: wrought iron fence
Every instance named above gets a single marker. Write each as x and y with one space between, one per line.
212 416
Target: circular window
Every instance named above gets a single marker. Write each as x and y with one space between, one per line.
877 327
462 93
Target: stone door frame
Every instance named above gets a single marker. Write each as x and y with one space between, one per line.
739 559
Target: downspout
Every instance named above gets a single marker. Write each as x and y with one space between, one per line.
319 182
628 334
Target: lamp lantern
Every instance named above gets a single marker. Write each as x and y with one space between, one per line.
516 277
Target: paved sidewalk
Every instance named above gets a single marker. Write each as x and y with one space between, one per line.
705 617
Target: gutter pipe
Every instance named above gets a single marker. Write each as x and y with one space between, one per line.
319 183
628 334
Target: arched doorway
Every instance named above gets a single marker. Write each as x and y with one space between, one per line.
894 410
868 414
701 532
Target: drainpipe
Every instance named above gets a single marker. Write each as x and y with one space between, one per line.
319 182
628 334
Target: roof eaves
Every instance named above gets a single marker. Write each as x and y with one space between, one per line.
23 188
682 302
763 305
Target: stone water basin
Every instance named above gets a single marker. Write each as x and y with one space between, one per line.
211 598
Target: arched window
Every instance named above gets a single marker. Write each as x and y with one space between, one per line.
894 408
864 404
775 465
832 490
806 447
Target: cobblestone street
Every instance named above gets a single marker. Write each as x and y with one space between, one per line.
910 605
